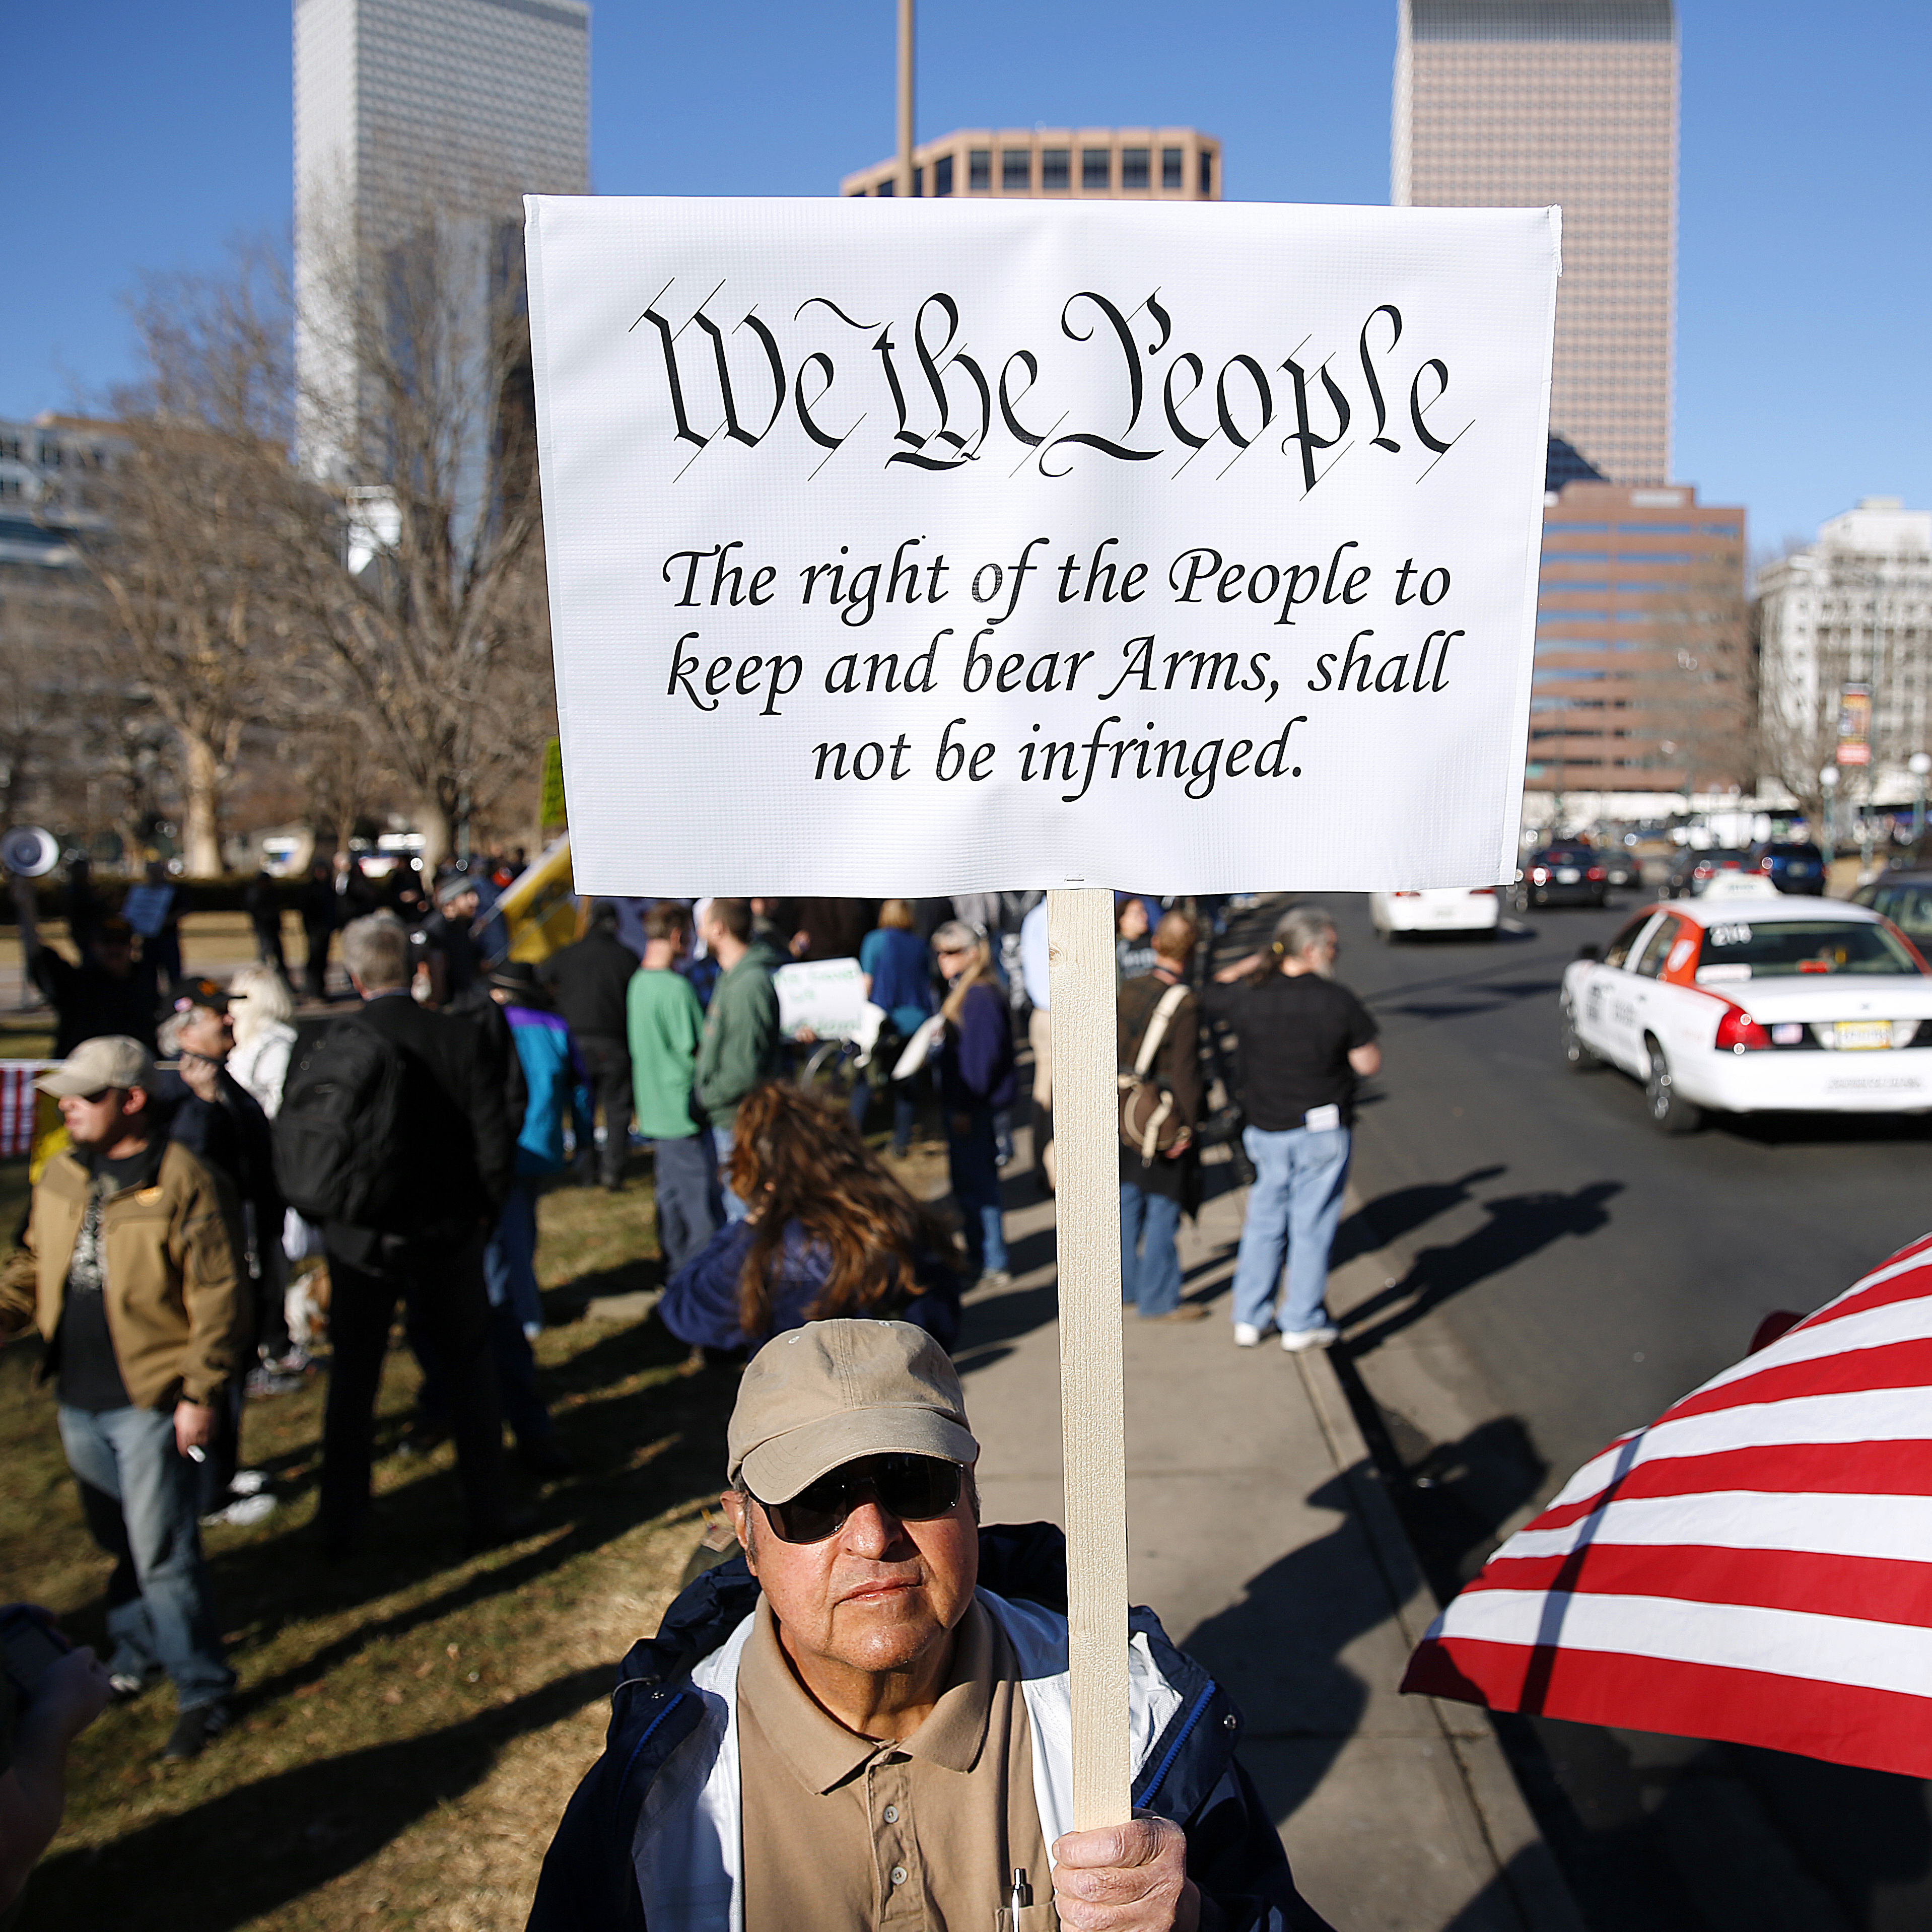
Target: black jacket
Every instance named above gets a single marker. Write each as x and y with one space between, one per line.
590 981
457 1143
230 1134
1191 1776
88 1003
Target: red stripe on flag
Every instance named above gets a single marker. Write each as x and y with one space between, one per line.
1891 1365
1901 1469
1871 1589
1886 1730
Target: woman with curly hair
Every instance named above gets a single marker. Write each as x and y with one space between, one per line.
830 1233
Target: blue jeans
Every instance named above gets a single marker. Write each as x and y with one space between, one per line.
510 1258
971 1158
1152 1277
1293 1207
724 1140
159 1608
688 1208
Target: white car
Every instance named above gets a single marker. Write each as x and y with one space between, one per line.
1747 1004
1439 909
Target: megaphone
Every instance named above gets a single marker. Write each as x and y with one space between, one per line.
29 851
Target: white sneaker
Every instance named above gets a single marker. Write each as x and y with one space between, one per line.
1325 1337
1246 1335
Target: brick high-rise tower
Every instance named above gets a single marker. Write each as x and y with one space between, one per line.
1520 103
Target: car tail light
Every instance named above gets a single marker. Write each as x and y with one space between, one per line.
1596 872
1405 895
1737 1032
1732 866
1539 876
1482 892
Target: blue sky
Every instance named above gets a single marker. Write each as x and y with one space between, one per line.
148 135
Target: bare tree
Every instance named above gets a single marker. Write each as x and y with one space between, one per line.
1699 689
430 606
204 506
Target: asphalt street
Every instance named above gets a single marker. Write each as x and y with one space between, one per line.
1555 1271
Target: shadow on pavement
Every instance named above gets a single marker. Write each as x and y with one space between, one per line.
1401 1211
1278 1650
1518 1226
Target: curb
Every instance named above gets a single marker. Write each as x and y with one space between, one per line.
1526 1869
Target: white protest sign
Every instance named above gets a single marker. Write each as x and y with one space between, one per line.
937 546
824 996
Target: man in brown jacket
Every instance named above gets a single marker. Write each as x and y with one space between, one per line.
130 1275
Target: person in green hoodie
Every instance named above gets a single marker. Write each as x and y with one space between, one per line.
740 1046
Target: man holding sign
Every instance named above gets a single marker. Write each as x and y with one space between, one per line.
864 1720
1006 545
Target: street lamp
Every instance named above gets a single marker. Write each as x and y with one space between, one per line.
1827 780
1918 764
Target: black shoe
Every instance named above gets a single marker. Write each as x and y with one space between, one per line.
193 1730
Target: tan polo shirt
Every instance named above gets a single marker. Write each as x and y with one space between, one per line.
843 1833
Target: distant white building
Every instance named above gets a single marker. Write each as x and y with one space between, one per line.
412 111
1852 610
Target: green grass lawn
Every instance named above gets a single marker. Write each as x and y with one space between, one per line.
409 1726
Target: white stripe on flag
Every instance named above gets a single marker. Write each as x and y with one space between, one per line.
1860 1415
1874 1328
1787 1643
1898 1528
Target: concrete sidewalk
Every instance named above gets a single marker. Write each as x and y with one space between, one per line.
1261 1535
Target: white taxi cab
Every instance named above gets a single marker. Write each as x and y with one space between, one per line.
1436 909
1747 1001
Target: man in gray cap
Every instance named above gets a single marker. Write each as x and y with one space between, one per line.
130 1273
864 1719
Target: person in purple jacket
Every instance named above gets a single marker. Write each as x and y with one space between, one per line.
976 1080
828 1232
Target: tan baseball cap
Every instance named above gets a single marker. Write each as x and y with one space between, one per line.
825 1394
112 1060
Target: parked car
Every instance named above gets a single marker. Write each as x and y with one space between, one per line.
1561 874
1437 909
1751 1003
1905 898
1791 866
1695 871
1621 866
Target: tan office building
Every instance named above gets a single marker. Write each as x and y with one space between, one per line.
1522 103
1089 163
1643 680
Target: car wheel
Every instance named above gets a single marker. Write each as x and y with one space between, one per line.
1579 1056
1670 1113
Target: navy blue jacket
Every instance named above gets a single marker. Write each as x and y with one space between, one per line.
1191 1775
700 1302
975 1058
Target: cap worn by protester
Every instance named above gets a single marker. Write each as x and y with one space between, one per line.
519 976
816 1397
112 1060
452 889
113 930
202 993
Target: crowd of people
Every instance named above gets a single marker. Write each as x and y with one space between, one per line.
219 1139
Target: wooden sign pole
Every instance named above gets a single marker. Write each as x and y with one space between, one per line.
1086 1137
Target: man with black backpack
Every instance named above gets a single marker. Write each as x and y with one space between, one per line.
393 1134
1158 1019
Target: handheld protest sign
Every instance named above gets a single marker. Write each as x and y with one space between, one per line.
918 547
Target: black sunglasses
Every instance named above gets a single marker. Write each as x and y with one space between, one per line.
915 1489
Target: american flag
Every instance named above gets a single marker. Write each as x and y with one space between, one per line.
17 1104
1756 1566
